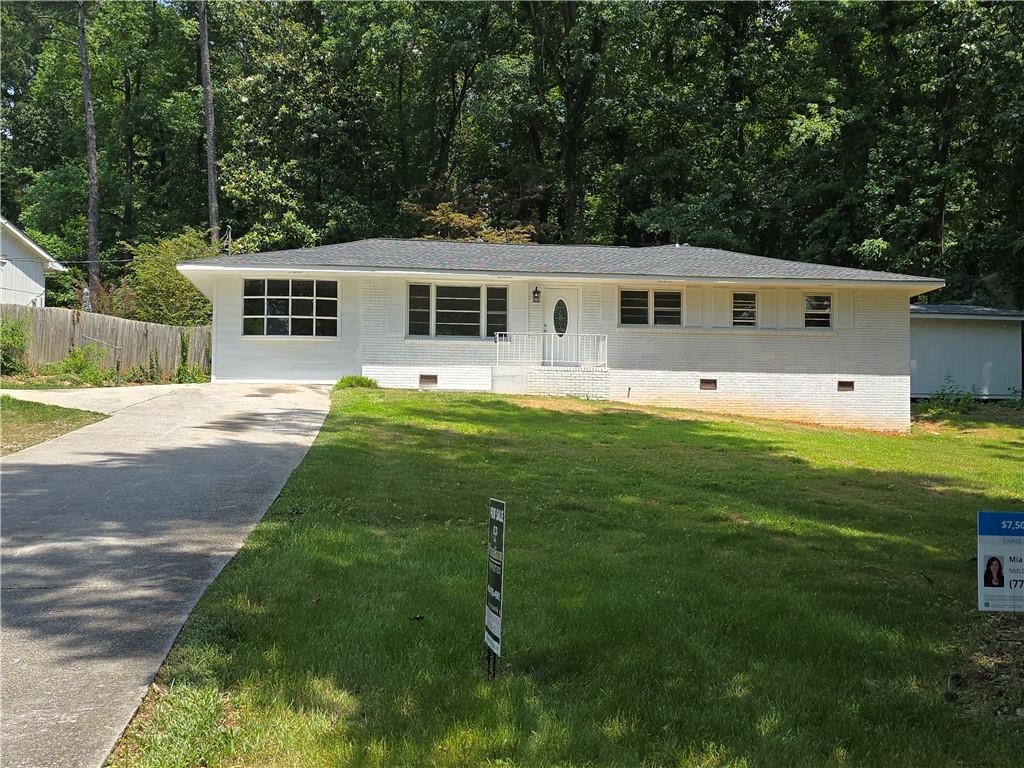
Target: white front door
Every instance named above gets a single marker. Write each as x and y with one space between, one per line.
561 325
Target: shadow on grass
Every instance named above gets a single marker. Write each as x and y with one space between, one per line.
678 591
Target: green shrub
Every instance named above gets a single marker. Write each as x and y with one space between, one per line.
14 339
349 382
84 363
186 373
950 398
1016 400
190 374
155 291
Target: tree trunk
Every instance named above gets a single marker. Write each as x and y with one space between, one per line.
129 160
211 139
93 257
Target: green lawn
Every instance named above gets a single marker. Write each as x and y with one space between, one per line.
680 590
23 423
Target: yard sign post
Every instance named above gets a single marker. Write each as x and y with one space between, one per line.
1001 561
495 583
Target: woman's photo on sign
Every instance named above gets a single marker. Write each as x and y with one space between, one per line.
994 572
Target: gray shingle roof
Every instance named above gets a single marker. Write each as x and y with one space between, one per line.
967 310
684 261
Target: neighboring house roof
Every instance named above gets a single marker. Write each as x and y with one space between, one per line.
9 230
964 312
662 261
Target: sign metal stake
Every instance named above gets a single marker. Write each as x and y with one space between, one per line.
495 584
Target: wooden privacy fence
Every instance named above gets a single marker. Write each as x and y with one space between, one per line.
54 332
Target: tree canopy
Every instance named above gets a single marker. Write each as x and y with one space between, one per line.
880 135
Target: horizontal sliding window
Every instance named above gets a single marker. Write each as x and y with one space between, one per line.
419 310
466 311
744 310
668 308
650 307
290 308
633 307
497 310
817 310
457 310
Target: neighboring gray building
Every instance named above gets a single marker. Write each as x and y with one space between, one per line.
978 347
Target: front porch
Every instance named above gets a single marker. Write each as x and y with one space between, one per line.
569 364
565 350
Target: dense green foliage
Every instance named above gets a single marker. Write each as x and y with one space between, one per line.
14 340
153 289
867 134
83 363
680 591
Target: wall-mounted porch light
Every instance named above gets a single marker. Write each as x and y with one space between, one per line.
536 295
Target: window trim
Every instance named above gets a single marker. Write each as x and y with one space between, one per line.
314 317
830 314
434 285
650 308
757 303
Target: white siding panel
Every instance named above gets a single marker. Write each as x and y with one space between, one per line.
844 308
767 311
794 308
518 307
692 307
722 302
983 354
22 276
396 307
609 308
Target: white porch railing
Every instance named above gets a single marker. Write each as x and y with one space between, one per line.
584 350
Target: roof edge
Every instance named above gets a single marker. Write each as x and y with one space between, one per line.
51 263
920 285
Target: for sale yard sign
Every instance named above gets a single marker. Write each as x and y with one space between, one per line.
1001 561
495 576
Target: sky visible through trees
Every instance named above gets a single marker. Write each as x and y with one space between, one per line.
885 136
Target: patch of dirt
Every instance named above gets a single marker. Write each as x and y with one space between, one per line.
992 680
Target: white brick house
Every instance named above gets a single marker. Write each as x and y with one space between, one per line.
679 325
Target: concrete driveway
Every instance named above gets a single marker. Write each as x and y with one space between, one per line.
111 533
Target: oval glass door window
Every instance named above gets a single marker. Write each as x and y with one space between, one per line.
561 317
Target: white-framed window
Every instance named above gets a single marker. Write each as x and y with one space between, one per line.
817 310
744 310
284 307
650 307
457 311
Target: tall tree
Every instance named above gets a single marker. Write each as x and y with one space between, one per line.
93 216
211 139
878 135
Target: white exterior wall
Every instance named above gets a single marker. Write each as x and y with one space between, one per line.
282 358
395 360
981 353
778 370
22 276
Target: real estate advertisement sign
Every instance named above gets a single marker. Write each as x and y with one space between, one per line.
495 576
1001 561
